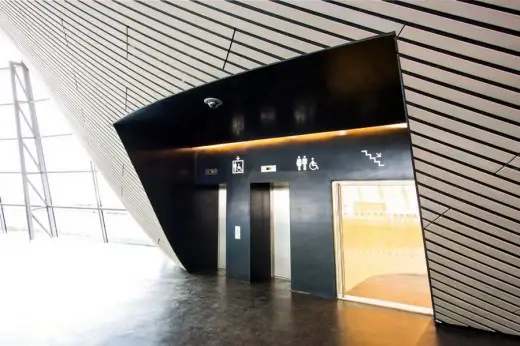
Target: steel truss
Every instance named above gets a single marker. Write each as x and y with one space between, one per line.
25 117
21 83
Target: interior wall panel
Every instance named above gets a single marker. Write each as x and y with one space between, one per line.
461 75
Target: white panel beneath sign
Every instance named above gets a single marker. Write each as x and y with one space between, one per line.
268 168
222 205
281 231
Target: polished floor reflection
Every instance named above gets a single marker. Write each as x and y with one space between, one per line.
409 289
71 293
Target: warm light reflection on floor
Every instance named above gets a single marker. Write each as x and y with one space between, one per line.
367 325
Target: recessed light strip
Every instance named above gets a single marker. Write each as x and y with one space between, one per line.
298 138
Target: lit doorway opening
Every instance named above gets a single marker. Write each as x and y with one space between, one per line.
379 247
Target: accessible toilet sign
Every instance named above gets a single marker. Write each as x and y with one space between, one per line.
303 164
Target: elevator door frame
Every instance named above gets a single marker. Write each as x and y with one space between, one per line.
222 223
336 212
274 238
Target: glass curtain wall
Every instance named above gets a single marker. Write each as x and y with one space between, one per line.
83 203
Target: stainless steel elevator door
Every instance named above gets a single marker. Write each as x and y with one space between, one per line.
222 204
280 231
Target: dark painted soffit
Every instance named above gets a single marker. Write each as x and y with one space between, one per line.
350 86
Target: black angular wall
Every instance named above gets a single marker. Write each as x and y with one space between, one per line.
347 87
341 157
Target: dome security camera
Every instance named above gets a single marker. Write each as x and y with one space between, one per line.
212 102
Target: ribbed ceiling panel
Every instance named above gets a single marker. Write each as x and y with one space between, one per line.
461 71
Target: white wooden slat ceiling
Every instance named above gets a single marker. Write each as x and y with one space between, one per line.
461 71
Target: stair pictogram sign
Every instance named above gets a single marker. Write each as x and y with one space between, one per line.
376 159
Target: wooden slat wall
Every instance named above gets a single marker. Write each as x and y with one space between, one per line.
461 72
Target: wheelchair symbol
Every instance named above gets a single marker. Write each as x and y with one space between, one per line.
313 166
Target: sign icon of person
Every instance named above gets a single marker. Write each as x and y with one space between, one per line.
299 163
304 162
313 166
238 166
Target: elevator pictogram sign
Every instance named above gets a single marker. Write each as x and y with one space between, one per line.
237 166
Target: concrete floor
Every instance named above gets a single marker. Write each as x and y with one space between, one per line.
62 292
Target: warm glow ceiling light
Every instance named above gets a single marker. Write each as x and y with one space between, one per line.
299 138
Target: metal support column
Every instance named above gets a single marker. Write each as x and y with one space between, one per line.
99 204
32 124
39 151
3 225
28 210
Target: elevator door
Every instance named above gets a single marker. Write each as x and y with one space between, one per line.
222 203
281 231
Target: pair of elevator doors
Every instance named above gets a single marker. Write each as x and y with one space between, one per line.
280 230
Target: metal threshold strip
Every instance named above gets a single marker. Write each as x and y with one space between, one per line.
391 305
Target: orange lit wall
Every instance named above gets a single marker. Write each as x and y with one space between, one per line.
309 138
